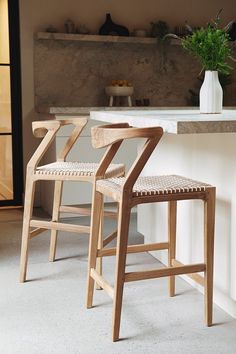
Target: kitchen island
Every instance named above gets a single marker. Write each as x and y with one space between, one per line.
202 147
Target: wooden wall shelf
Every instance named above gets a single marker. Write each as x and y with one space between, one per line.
98 38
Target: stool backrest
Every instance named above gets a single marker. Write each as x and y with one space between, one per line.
112 136
47 129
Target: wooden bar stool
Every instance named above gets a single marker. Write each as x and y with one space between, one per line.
59 172
132 190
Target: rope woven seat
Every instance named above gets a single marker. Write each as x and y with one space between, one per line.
77 169
156 185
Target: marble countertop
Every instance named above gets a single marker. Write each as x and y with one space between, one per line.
176 121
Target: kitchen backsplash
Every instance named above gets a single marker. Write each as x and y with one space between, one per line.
75 73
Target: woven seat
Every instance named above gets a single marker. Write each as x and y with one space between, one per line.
77 169
156 185
131 191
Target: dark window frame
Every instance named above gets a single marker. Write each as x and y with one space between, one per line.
16 105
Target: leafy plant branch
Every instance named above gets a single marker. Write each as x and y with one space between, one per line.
210 45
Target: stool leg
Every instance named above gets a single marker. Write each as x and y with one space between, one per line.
122 241
172 211
209 224
100 245
93 244
55 216
28 207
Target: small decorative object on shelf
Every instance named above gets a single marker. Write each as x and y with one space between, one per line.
159 29
140 33
51 29
211 46
111 28
82 29
181 31
70 26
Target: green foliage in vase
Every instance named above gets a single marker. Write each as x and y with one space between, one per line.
211 47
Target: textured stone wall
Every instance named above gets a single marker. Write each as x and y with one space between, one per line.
74 73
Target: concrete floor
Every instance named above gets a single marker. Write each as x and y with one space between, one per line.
47 315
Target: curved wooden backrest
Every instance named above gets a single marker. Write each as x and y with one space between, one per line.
40 128
105 135
47 130
112 136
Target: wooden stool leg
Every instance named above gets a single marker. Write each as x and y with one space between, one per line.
209 224
55 217
122 241
172 211
28 207
100 245
93 244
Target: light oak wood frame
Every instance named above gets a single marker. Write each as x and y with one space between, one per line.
48 130
112 136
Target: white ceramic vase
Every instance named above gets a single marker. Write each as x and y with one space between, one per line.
211 93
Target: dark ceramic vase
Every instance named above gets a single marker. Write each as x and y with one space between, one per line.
111 28
232 32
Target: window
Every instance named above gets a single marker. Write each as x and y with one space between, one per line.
10 106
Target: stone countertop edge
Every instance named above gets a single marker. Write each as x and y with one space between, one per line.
174 123
87 110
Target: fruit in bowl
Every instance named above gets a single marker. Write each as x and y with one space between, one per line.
121 83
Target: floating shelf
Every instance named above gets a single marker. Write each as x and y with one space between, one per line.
98 38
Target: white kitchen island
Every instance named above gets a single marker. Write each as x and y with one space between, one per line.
202 147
